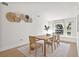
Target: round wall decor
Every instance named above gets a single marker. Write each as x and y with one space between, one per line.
11 16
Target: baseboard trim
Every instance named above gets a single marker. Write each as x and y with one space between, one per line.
19 45
67 42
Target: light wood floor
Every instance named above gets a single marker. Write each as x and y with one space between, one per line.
11 53
72 50
16 53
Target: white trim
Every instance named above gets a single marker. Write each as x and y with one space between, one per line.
68 39
3 49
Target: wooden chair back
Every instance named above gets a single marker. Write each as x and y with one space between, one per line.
53 37
58 36
32 42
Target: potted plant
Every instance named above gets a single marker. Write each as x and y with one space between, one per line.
46 28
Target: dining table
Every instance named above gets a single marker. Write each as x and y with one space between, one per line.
45 38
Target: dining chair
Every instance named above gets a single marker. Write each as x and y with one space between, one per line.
33 45
50 42
56 41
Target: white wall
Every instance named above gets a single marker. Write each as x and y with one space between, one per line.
78 42
15 34
0 27
78 28
78 34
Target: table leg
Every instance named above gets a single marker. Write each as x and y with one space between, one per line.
44 48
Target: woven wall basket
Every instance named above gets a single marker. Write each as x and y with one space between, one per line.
11 16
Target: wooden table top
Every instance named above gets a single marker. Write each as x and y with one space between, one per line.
43 37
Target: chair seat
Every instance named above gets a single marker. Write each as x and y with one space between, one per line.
35 46
49 42
40 42
38 45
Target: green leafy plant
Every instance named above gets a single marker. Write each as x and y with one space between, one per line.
46 28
